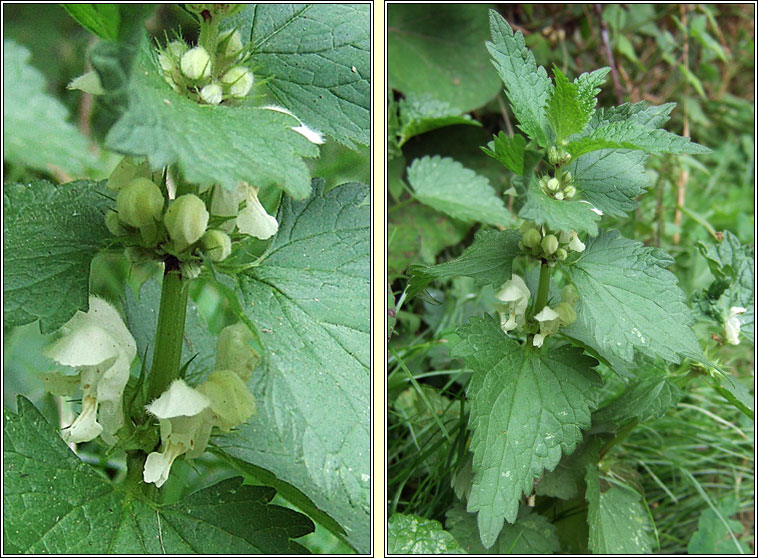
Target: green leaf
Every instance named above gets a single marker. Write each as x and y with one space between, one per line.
411 534
531 534
628 301
50 235
566 481
422 113
617 519
36 132
648 396
56 504
508 150
630 135
317 57
417 232
101 19
735 392
527 85
258 145
440 52
448 186
588 86
488 260
567 111
527 409
558 215
309 301
713 536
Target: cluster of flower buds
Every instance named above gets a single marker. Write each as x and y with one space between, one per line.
558 156
208 77
187 415
182 230
559 187
546 245
551 319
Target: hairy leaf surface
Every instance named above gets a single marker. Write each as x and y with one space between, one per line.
527 409
50 235
411 534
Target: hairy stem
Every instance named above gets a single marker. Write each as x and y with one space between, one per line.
544 287
169 334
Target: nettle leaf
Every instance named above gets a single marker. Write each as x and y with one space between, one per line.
588 86
648 396
508 150
630 135
531 534
36 131
488 260
411 534
527 85
56 504
734 391
716 532
628 300
567 111
566 481
449 187
527 409
309 301
419 114
441 53
317 57
618 521
558 215
642 113
50 235
258 145
103 20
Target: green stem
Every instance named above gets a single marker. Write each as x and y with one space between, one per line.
169 335
544 288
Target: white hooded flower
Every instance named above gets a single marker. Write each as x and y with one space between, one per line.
99 344
311 135
253 220
515 294
732 325
549 321
572 239
185 428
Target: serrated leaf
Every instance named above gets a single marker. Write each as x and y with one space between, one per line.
527 409
566 481
618 521
448 186
567 111
441 53
50 235
714 534
101 19
488 260
309 301
419 114
558 215
642 113
317 57
527 85
531 534
258 145
508 150
411 534
630 135
36 131
56 504
588 86
735 392
646 397
628 301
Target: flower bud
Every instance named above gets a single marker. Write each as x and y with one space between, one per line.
569 295
566 313
553 184
126 171
531 238
549 244
239 81
561 254
231 400
553 155
212 93
186 220
113 224
230 43
139 203
569 192
196 63
217 245
558 196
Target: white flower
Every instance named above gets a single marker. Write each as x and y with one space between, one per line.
185 428
99 344
516 295
212 93
572 240
311 135
253 220
732 325
549 321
